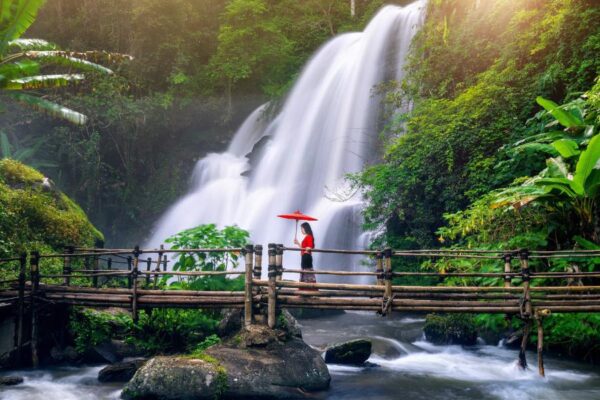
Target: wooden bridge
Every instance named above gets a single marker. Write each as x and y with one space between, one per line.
90 277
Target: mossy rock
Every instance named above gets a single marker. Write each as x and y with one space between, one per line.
450 329
35 215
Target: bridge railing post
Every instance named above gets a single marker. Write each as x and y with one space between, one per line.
134 278
148 266
526 307
279 261
67 268
258 252
272 288
158 262
507 269
249 255
34 264
387 254
129 268
21 307
379 267
108 267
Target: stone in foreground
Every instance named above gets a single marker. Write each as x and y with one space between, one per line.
121 371
256 363
354 352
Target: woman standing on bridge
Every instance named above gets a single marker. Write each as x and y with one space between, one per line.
307 244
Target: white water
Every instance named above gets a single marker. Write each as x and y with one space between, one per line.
326 129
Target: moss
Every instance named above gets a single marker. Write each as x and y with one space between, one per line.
34 215
15 173
450 329
221 378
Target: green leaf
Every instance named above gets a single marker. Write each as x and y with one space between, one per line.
588 161
31 44
43 82
51 108
18 70
556 168
566 147
67 59
564 117
16 17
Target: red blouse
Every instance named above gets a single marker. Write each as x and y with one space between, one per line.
308 241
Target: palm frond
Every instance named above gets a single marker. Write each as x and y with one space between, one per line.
18 69
43 82
50 108
31 45
67 59
18 15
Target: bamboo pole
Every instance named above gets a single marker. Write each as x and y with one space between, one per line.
67 269
35 280
157 269
272 293
539 315
249 255
258 251
387 257
129 268
279 261
379 267
134 277
21 308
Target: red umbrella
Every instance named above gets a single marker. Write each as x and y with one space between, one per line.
298 216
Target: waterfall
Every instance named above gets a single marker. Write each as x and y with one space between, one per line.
327 128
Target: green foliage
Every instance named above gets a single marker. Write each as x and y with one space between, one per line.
22 59
202 237
205 344
90 328
164 331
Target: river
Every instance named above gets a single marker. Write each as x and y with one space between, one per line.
403 366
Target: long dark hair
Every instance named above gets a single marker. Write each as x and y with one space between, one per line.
307 229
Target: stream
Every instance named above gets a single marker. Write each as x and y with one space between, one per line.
404 365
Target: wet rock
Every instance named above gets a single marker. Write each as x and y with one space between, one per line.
176 378
120 372
308 313
354 352
254 363
450 329
10 380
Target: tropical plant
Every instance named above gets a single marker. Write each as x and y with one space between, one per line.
22 61
25 151
202 237
570 183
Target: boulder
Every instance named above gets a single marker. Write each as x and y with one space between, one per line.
177 378
255 363
354 352
10 380
450 329
121 371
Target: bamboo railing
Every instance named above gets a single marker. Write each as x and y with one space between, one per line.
98 277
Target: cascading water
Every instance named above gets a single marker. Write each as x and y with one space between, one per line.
326 129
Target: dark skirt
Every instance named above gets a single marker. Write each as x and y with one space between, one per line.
307 265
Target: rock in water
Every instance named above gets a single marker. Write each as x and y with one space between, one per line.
448 329
10 380
354 352
178 378
120 372
256 363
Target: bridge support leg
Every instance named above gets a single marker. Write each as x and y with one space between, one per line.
21 316
272 304
134 281
539 315
524 340
35 281
249 255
